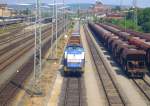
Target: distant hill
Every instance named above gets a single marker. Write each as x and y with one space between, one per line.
81 6
73 7
87 5
19 7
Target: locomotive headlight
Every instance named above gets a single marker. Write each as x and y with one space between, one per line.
65 55
82 55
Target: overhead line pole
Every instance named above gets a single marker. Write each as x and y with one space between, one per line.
56 27
37 50
64 16
135 13
53 15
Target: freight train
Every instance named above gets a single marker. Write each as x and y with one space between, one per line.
141 35
10 21
129 57
142 43
74 55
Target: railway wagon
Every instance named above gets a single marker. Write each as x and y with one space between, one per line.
47 20
142 44
74 55
10 21
98 30
131 60
134 33
117 47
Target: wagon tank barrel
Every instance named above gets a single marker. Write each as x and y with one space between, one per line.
133 40
133 33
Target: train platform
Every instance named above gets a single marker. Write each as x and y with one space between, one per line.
93 93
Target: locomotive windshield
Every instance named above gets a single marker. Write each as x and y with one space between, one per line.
78 48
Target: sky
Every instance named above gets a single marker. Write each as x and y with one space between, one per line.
140 3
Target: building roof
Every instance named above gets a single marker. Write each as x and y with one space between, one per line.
99 3
3 5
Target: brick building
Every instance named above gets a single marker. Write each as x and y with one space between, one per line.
99 8
5 11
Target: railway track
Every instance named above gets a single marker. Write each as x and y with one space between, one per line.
16 35
12 52
19 42
14 31
17 52
144 87
7 93
111 90
17 81
73 92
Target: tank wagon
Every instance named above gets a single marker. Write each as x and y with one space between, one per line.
133 33
143 44
131 60
74 55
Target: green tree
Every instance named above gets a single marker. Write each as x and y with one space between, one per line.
144 19
146 27
130 15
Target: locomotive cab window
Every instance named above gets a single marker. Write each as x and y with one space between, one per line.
74 48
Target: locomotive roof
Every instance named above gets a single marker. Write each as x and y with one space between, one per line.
75 34
74 47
